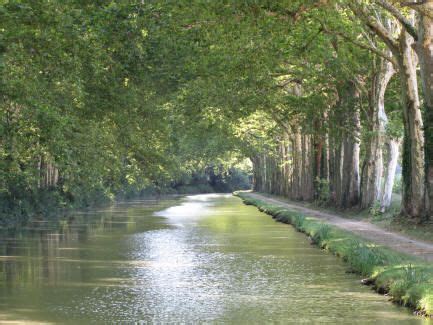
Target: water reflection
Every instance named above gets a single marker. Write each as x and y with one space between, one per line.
205 258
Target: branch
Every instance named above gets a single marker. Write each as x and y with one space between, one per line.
285 83
364 46
411 4
375 25
407 24
423 7
279 121
309 42
294 15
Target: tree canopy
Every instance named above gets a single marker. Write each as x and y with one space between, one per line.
102 96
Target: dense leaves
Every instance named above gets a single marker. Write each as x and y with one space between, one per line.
102 97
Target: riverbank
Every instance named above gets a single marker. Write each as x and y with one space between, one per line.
51 204
407 279
390 220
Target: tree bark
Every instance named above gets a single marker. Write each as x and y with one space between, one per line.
424 50
297 165
413 204
373 164
351 150
393 152
307 169
414 196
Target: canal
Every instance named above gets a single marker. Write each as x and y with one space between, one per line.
193 259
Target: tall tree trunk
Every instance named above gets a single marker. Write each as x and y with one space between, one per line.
297 166
285 174
373 164
326 158
338 172
351 150
307 169
425 54
414 194
413 147
318 153
391 166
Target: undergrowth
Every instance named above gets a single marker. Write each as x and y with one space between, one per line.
408 280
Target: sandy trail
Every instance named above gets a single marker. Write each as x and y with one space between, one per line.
363 229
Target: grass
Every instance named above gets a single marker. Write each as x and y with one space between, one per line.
406 279
389 220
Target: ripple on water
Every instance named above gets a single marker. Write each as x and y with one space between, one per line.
207 258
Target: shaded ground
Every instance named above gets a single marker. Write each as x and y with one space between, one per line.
364 229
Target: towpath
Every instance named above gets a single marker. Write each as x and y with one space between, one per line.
364 229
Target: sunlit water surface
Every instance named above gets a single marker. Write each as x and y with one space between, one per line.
203 258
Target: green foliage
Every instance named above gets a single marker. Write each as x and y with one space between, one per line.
323 191
398 185
375 209
92 92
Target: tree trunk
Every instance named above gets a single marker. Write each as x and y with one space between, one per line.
338 172
413 204
373 164
351 149
326 159
393 152
297 166
307 169
425 54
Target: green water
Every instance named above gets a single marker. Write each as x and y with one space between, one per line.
205 258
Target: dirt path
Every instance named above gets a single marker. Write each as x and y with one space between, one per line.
364 229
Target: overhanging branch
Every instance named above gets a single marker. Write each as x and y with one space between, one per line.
406 23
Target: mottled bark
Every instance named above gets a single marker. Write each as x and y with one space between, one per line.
425 54
373 163
414 194
307 169
391 166
413 204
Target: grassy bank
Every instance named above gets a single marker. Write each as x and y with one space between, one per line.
51 204
407 280
390 220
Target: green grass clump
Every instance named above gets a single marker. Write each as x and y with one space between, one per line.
408 280
321 235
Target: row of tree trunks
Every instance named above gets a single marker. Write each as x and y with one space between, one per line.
417 161
302 163
292 168
344 157
48 173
